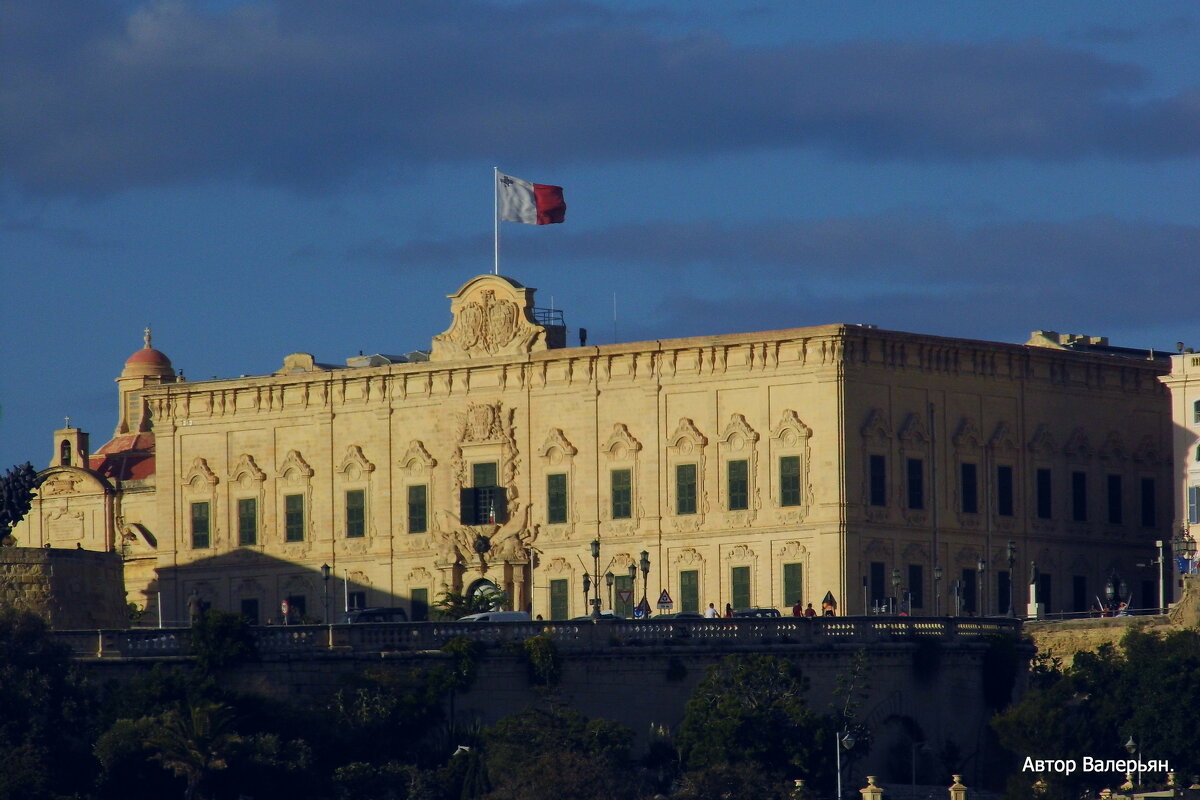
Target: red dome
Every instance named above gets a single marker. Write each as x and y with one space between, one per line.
149 356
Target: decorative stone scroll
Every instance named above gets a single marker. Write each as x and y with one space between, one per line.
492 316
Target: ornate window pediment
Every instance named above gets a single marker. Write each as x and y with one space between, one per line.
687 438
791 430
914 433
877 425
967 437
556 440
199 471
1078 446
416 458
1042 444
247 468
620 443
354 460
1002 440
295 462
1147 451
738 433
1113 448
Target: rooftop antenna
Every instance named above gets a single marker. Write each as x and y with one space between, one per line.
614 317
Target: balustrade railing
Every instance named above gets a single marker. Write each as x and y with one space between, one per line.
382 637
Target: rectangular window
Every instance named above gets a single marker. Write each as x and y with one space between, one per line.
356 600
199 525
1044 508
738 484
483 505
1003 587
1114 501
623 604
878 587
689 591
420 605
1193 505
1004 490
556 498
969 487
559 599
418 508
1149 512
293 515
356 514
484 474
1045 585
1149 595
1079 598
739 586
297 607
249 608
915 474
968 588
622 493
1079 496
789 481
793 584
916 585
878 480
685 488
247 518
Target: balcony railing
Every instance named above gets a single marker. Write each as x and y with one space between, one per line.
568 635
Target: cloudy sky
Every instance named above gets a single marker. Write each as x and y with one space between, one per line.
258 178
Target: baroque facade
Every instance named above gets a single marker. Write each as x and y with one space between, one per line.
756 469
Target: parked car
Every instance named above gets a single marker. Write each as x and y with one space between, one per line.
684 615
605 616
376 614
497 616
757 612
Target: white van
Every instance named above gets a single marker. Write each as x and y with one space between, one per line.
497 616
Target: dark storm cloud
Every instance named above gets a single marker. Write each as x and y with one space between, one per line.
307 94
894 270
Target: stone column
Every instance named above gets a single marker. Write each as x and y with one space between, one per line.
958 791
871 791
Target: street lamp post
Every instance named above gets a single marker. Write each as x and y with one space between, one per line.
325 579
587 588
1012 559
895 588
645 564
937 590
846 740
596 581
982 586
1131 747
609 579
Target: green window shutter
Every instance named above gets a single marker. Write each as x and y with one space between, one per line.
556 498
685 489
559 605
247 514
293 514
738 484
789 481
418 508
200 531
484 474
356 514
420 605
739 586
793 584
622 493
621 608
689 591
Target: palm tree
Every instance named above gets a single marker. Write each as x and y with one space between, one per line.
194 742
455 605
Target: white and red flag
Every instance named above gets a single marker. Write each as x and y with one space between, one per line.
530 203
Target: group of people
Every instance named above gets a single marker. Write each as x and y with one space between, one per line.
712 613
798 610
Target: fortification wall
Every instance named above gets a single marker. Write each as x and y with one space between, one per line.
68 588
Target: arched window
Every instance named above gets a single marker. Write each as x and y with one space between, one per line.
64 453
1196 412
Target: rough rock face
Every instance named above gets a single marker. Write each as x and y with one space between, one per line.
68 588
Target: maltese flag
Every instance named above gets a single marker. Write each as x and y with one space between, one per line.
530 203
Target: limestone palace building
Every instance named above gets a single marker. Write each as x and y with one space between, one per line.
838 462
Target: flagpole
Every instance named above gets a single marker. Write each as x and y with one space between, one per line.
496 219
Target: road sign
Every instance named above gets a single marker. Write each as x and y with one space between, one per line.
665 601
642 611
625 596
